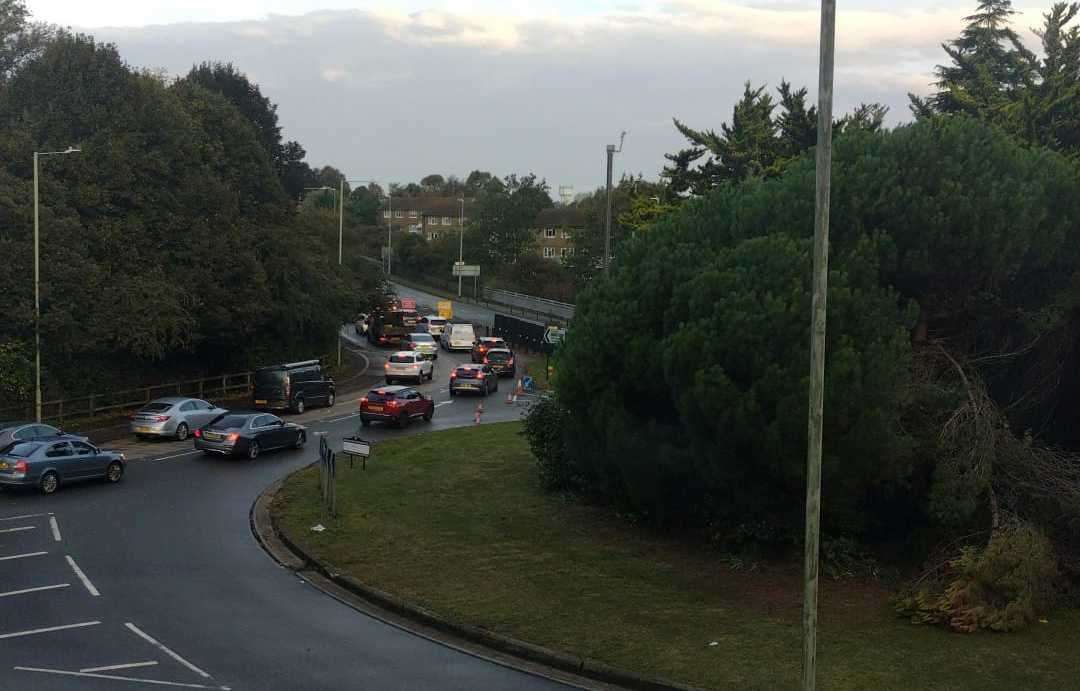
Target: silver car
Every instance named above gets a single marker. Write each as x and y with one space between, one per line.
173 417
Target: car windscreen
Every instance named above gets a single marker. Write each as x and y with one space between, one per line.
403 358
436 321
466 372
230 421
498 356
401 318
23 448
269 377
379 397
421 338
155 407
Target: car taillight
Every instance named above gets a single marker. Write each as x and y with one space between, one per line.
233 436
21 466
480 375
510 361
485 360
453 375
391 404
198 434
411 346
386 366
161 418
363 401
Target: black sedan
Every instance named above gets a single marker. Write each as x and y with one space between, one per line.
248 434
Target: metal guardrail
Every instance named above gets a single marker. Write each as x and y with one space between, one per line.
531 303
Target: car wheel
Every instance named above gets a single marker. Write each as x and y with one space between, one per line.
49 482
300 439
299 407
253 450
389 381
452 393
330 400
114 472
403 420
365 422
181 431
429 413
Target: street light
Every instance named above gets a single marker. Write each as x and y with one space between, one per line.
611 151
37 279
461 242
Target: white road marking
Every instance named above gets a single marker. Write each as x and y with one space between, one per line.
25 515
145 636
119 678
129 665
15 530
82 576
55 528
31 632
177 455
23 556
439 405
34 590
345 417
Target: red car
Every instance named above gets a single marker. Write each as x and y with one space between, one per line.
484 344
398 405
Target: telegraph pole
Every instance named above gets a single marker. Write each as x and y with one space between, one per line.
817 343
611 151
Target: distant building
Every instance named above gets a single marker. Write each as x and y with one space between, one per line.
431 217
555 228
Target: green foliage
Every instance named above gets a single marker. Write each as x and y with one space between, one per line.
1004 586
506 216
543 429
16 373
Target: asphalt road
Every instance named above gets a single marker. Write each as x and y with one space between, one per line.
158 582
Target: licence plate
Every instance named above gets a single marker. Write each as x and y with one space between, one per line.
142 429
260 401
3 466
212 436
375 408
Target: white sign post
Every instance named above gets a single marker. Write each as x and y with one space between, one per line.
466 269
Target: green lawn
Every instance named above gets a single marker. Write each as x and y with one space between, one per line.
454 521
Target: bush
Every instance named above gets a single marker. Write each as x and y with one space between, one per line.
543 429
1003 586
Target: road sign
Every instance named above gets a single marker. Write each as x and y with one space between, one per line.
408 303
446 309
466 269
355 447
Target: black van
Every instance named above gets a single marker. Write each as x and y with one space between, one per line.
294 386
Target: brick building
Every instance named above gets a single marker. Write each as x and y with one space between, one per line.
428 216
554 231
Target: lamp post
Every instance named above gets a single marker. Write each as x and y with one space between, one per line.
611 151
461 242
37 280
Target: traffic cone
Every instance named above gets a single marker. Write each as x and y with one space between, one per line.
479 412
510 397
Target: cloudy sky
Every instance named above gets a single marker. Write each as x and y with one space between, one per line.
396 89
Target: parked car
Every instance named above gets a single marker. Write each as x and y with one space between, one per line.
479 379
293 386
398 405
406 364
501 361
484 344
248 434
173 417
11 432
457 337
435 325
422 343
48 464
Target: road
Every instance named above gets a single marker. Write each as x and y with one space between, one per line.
158 582
463 311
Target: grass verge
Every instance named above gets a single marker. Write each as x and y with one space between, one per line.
454 521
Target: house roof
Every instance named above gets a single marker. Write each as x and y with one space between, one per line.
560 216
430 206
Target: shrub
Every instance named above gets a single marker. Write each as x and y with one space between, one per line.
543 429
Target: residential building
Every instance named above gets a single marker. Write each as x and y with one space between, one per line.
555 229
427 216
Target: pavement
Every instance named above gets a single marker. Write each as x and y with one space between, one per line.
158 582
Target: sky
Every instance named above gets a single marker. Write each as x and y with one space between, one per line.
394 90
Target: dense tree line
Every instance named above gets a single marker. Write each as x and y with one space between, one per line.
170 244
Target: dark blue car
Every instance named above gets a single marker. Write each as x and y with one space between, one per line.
48 463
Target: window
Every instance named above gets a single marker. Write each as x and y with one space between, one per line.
59 450
549 252
188 406
399 214
549 232
566 252
433 220
412 213
386 214
434 235
82 448
565 234
263 421
447 221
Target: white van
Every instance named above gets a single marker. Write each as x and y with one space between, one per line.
457 337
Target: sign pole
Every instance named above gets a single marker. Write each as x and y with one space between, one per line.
817 344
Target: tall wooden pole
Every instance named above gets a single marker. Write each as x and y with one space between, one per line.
817 344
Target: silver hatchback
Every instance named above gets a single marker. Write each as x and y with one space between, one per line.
173 417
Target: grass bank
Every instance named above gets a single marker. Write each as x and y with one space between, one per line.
455 522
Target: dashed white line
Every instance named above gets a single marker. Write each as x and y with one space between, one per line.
439 405
160 646
177 455
25 515
31 632
20 528
91 675
55 528
82 576
129 665
34 590
344 417
22 556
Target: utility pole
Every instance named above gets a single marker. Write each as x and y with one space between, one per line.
340 222
389 230
611 151
817 343
461 243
